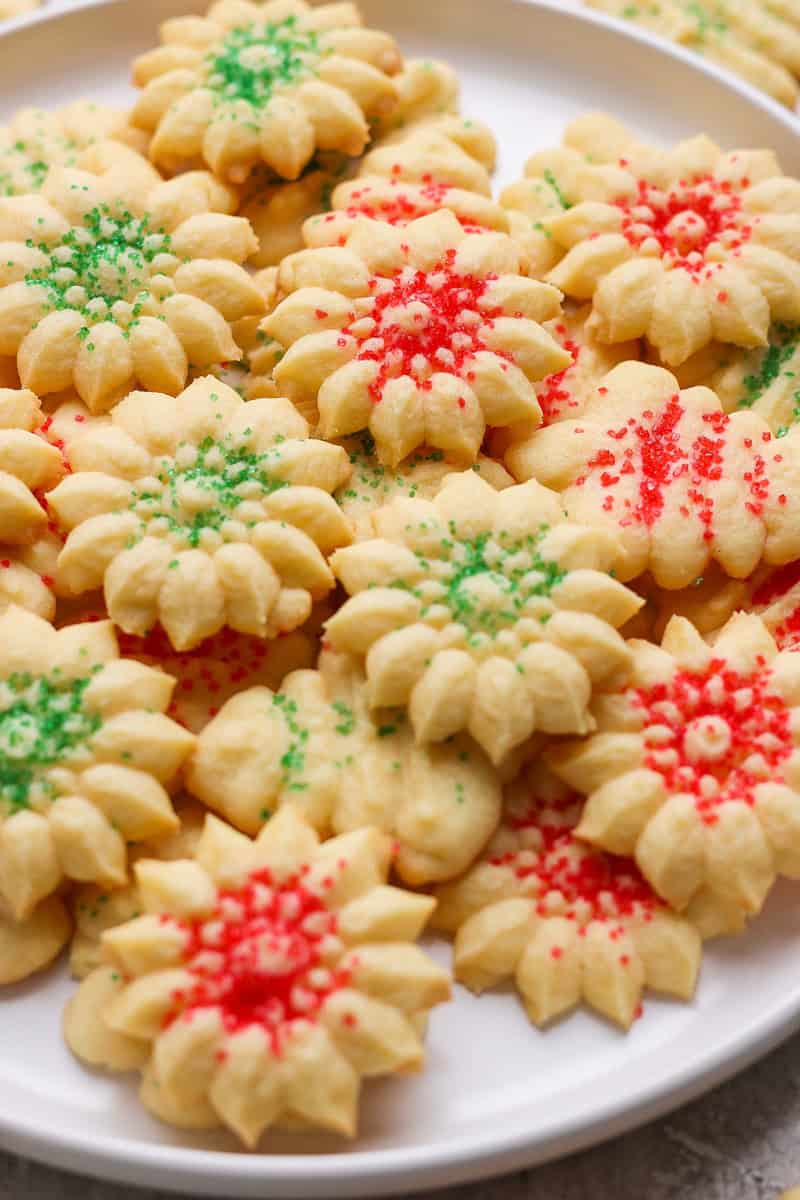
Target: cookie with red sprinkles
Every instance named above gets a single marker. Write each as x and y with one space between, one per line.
424 335
264 980
694 770
680 246
570 923
680 482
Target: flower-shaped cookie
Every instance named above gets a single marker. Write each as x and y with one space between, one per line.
569 922
694 769
199 512
85 754
98 291
263 82
372 485
677 480
682 246
263 982
317 745
746 37
423 335
29 466
277 212
486 611
36 140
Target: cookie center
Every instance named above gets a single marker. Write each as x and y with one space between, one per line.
487 584
263 958
255 60
679 225
715 734
423 322
42 723
104 268
208 492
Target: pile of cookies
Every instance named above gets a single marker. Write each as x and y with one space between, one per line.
377 554
757 39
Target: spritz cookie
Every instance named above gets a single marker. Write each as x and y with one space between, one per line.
567 922
694 770
486 611
85 755
680 482
200 512
263 982
277 212
739 45
29 466
266 82
775 597
424 335
36 139
96 295
681 246
419 477
319 746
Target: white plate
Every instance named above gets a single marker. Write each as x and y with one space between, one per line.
496 1094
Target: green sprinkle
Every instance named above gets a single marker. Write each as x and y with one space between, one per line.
42 723
254 58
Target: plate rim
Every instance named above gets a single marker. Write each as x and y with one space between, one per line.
440 1163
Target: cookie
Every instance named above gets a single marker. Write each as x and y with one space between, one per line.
264 980
694 770
681 483
319 746
569 923
423 335
266 83
485 611
200 512
680 246
372 485
36 139
116 278
717 34
87 754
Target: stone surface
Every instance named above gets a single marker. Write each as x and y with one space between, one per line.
738 1143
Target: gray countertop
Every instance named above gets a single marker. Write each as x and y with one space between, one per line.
738 1143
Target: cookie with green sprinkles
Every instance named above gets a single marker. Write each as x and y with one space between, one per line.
201 512
484 611
37 139
266 83
320 746
113 277
86 756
